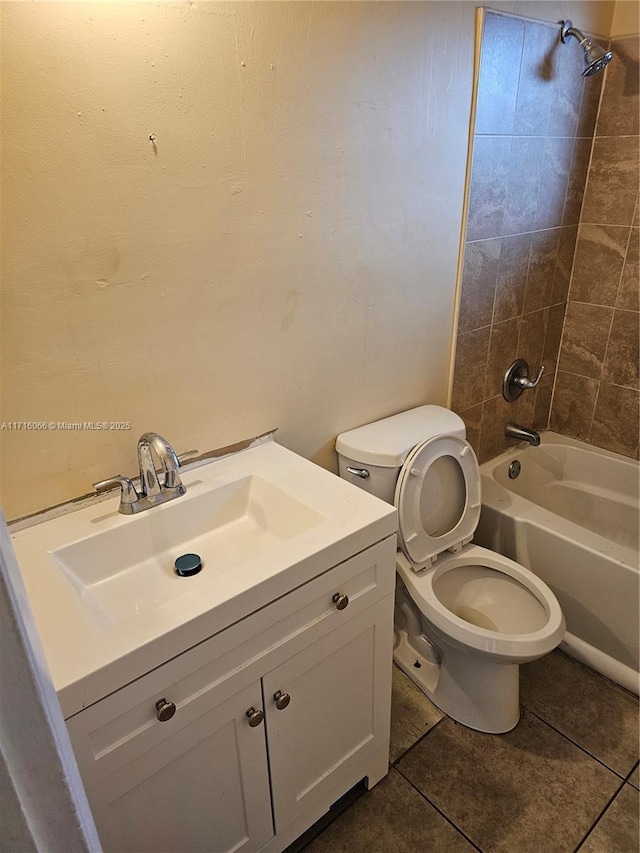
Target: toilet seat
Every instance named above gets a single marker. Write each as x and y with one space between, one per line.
438 501
437 496
513 647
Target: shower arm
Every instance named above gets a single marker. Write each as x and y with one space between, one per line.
569 30
596 58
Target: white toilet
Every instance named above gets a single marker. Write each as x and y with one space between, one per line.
465 617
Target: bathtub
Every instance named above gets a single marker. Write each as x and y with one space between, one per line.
571 516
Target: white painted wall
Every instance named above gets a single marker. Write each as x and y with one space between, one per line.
284 255
626 18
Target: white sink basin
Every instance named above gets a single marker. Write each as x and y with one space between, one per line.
102 586
124 572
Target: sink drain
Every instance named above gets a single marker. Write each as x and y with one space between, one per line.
187 565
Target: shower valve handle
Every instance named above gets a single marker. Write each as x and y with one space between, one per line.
516 380
525 382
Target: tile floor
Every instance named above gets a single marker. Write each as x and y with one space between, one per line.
565 779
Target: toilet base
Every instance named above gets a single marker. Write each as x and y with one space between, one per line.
479 693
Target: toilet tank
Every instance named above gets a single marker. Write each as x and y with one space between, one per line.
380 448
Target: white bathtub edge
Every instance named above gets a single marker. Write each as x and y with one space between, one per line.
623 675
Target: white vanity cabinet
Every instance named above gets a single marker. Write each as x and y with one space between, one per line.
312 675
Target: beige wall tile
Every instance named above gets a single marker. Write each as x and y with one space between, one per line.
553 336
473 421
503 350
562 274
535 209
471 365
496 414
612 188
574 402
488 189
536 85
629 289
599 258
556 166
584 340
511 282
568 88
532 338
615 420
590 104
525 176
542 408
620 111
577 179
502 39
605 273
623 350
542 265
478 284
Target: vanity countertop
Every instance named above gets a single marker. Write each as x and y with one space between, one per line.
98 633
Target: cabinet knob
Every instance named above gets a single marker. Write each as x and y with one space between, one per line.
255 717
281 699
340 600
164 710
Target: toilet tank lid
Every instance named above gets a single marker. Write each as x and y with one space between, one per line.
388 442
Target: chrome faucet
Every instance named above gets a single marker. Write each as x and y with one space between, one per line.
153 490
151 442
522 434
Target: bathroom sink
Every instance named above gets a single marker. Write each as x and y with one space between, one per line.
126 571
107 602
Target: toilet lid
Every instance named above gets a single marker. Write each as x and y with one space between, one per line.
438 498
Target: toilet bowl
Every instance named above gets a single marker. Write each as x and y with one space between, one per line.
465 617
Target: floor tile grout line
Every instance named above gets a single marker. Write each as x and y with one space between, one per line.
575 743
630 773
440 812
600 816
623 781
543 720
415 743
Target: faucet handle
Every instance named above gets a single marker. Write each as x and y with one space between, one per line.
129 494
525 382
172 478
516 380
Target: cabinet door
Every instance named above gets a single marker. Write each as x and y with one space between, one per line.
205 787
339 693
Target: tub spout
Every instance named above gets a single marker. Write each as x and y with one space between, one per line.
522 434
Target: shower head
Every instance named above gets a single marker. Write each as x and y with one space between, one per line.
595 56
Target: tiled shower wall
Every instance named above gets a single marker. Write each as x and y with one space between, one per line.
596 394
535 118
